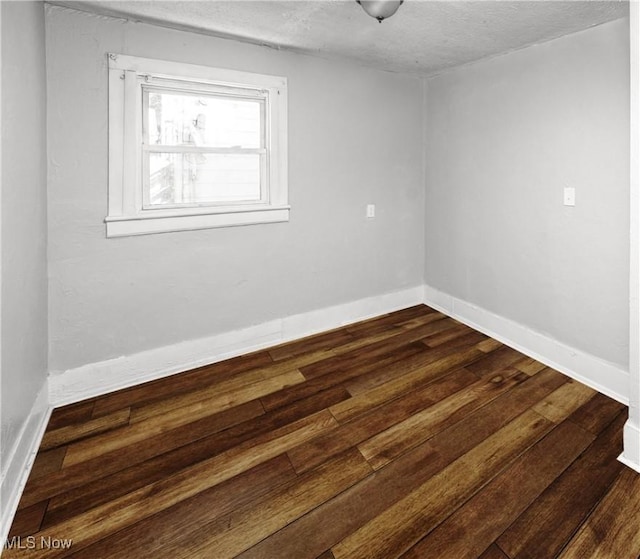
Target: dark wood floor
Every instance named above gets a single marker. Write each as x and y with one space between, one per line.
409 435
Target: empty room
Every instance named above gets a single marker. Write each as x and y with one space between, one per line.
320 279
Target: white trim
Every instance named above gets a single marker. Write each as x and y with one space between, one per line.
145 225
588 369
20 460
170 69
99 378
3 531
631 454
128 211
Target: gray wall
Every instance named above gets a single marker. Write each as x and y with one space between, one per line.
24 225
355 137
503 137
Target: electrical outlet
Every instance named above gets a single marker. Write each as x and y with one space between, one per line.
569 196
371 210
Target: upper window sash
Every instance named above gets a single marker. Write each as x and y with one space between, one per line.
262 100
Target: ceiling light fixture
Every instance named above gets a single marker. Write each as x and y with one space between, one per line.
380 9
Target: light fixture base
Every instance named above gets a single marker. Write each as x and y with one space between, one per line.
380 9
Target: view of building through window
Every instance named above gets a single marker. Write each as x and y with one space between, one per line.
202 149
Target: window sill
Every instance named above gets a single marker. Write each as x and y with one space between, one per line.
141 224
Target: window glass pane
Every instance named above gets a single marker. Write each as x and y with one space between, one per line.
185 178
203 120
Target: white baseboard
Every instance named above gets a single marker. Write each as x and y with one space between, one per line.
600 375
114 374
20 460
631 454
100 378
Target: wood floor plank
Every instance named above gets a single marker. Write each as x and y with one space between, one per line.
493 552
447 336
379 372
386 372
411 518
91 526
152 534
561 403
470 338
382 448
177 417
309 535
94 471
310 387
490 345
349 434
364 349
371 351
603 534
596 414
229 388
75 432
245 527
169 452
92 492
28 520
378 492
479 522
372 398
305 359
178 383
389 320
48 462
362 332
72 414
345 513
487 420
415 322
311 343
377 336
529 366
495 361
545 527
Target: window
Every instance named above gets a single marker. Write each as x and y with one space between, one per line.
193 147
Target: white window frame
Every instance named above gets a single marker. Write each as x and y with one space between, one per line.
127 214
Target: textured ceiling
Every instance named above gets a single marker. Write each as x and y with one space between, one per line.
424 37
